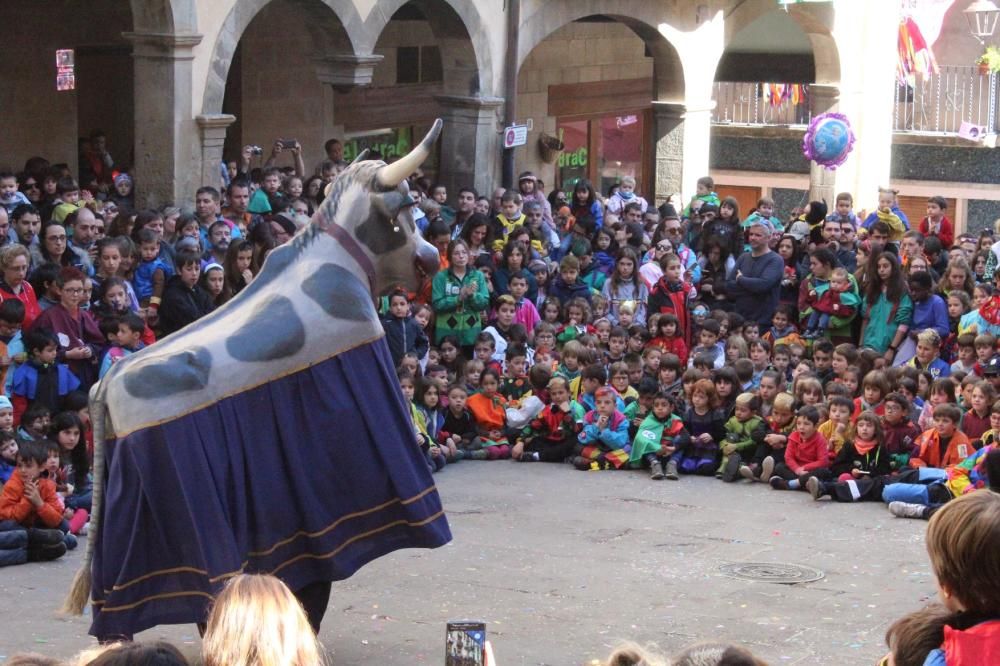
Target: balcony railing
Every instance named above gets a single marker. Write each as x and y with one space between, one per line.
954 101
759 104
940 103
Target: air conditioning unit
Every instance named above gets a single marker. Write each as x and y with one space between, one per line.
972 132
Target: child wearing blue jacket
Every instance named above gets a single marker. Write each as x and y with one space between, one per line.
603 441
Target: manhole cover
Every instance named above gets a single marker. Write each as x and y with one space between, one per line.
771 572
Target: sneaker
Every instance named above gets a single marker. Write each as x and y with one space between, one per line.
671 472
815 487
778 483
731 469
70 541
581 463
907 510
747 473
530 456
766 468
85 529
656 470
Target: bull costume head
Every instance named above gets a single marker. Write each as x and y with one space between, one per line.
370 201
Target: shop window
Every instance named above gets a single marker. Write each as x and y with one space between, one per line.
603 150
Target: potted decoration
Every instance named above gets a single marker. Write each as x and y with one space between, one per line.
550 147
989 62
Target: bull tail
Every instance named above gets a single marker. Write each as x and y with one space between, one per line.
80 589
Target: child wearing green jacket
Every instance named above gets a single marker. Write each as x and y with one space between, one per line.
660 434
745 431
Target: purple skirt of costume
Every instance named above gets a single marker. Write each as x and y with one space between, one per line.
308 477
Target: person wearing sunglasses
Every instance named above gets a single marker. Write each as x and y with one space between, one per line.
32 189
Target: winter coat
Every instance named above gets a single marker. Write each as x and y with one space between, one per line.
454 315
182 305
404 335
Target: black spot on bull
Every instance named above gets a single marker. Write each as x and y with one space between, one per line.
161 377
377 232
276 334
339 293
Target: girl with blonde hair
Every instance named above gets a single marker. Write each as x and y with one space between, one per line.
257 621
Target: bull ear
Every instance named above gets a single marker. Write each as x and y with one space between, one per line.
391 175
389 204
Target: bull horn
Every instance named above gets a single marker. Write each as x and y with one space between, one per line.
362 156
391 175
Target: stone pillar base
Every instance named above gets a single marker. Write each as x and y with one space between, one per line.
681 138
213 138
469 141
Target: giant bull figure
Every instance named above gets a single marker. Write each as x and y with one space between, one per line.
270 436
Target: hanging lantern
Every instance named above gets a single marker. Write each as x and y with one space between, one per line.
982 16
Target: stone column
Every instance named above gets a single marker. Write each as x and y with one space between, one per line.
213 138
681 138
341 72
824 98
469 142
166 135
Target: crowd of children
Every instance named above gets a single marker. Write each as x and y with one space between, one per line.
629 354
596 330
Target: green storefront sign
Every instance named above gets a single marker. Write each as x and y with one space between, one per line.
395 143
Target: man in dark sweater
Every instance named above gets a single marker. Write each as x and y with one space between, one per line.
755 282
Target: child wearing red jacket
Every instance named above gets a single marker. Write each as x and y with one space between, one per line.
30 511
806 454
937 223
669 339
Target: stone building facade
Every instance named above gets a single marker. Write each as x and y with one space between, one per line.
629 85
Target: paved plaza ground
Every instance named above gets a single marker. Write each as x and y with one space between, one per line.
563 564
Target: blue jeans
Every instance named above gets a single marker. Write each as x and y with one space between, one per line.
818 321
919 492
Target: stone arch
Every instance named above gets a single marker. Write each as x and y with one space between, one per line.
335 27
164 16
464 36
816 22
640 16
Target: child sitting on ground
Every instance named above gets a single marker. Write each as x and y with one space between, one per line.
458 431
745 431
660 434
30 511
707 425
899 430
488 408
770 452
806 454
552 434
835 429
603 441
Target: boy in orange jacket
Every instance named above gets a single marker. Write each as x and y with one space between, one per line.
30 511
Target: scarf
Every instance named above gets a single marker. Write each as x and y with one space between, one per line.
990 310
626 195
864 448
